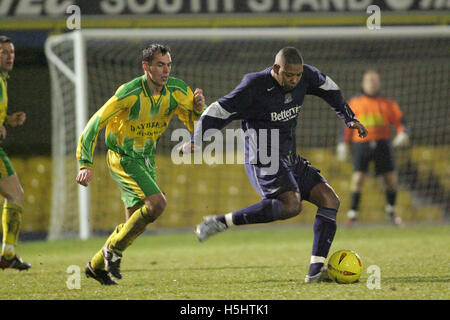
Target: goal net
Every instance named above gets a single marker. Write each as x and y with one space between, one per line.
88 66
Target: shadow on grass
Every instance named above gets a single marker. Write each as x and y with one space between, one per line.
259 269
416 279
212 268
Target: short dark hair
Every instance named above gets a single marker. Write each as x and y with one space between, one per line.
5 39
149 53
291 55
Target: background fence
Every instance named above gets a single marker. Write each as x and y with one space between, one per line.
414 72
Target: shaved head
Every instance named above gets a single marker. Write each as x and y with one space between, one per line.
288 55
287 69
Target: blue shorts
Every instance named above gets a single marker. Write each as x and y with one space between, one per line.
294 174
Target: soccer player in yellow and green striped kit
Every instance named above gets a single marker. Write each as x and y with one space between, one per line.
135 118
10 187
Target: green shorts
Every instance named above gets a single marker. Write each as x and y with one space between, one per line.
6 168
136 177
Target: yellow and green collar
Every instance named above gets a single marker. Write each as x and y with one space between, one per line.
147 90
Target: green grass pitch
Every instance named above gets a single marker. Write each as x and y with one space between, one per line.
248 263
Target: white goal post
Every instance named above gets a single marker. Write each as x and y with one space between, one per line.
70 65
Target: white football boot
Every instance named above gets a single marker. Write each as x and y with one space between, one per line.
321 276
209 227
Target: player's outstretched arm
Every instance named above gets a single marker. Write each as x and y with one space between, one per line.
84 176
220 113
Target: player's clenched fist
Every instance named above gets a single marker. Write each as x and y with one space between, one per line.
199 100
16 119
85 176
362 131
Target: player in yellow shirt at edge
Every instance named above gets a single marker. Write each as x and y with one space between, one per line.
10 187
135 118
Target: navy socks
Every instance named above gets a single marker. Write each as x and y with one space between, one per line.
356 198
324 231
267 210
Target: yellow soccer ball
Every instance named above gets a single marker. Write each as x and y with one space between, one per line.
345 266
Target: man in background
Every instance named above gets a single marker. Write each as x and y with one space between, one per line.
378 114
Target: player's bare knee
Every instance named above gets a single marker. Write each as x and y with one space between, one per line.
151 214
291 208
326 197
160 206
292 205
295 209
336 202
357 181
332 201
14 196
155 206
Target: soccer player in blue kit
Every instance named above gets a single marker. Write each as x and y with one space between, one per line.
271 99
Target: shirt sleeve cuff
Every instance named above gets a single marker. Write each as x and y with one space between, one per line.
85 164
198 114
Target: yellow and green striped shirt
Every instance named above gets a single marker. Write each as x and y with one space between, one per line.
3 97
135 119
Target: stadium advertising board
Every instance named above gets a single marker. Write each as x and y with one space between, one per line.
55 8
